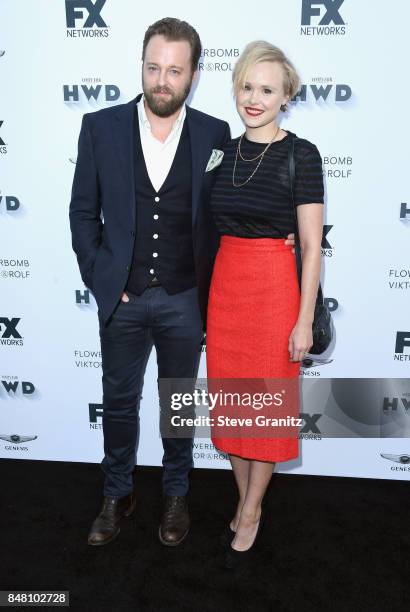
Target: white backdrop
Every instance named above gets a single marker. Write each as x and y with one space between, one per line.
350 55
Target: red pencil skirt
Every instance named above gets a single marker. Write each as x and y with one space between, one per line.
253 307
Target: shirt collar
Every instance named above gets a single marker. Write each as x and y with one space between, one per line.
143 119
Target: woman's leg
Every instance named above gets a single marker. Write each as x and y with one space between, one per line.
260 473
240 469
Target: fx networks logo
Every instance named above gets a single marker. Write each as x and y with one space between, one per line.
9 334
16 441
90 91
310 430
218 59
322 18
404 212
3 146
9 203
11 386
404 460
402 348
95 412
330 92
327 249
84 20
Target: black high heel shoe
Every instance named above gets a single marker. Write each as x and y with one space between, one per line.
227 536
239 558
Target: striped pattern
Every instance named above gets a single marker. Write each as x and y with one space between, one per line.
263 207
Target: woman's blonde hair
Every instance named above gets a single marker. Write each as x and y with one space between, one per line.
262 51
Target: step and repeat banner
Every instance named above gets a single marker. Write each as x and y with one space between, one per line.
60 59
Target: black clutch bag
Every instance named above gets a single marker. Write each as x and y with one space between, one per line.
322 323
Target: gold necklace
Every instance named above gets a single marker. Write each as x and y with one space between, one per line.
263 152
261 155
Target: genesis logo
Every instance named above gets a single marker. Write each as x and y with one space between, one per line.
16 439
327 93
326 18
9 334
402 343
83 19
404 212
91 93
3 146
403 460
314 362
17 442
10 203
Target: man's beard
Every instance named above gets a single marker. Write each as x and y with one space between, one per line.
165 108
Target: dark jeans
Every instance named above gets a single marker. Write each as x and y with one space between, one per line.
173 324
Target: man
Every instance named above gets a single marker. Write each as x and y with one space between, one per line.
141 167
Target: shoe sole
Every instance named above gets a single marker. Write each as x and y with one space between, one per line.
125 514
165 543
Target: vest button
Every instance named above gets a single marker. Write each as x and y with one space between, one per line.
155 216
155 236
151 271
156 199
155 254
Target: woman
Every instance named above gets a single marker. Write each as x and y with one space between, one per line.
259 321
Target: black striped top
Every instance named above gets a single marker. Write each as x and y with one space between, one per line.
263 208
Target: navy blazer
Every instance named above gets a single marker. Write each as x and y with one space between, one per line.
103 206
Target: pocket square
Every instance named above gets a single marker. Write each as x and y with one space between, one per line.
214 160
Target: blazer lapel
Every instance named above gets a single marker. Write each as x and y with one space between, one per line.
124 137
200 153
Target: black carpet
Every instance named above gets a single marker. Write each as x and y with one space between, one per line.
328 543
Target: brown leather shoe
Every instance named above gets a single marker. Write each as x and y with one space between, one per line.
174 525
106 526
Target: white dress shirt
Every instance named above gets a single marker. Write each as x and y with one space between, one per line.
158 155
